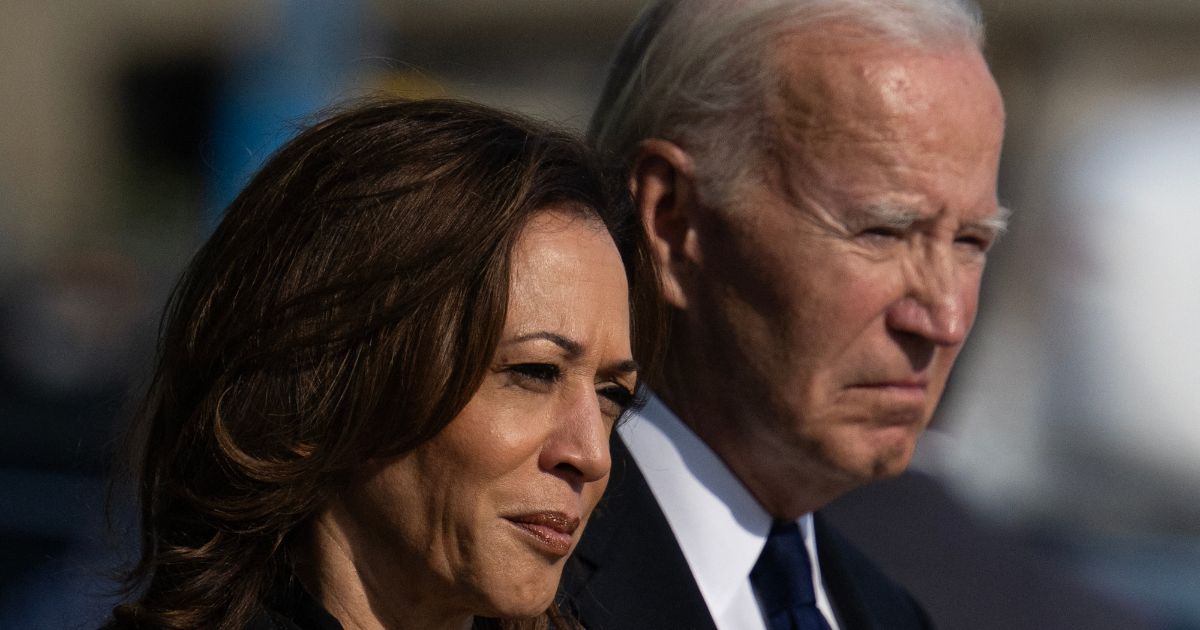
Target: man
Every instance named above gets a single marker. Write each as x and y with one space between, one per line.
818 178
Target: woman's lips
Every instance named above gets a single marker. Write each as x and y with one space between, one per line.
552 532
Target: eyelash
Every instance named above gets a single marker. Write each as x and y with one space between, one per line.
881 234
618 394
548 374
979 243
544 372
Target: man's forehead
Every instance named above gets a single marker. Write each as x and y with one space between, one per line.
875 103
841 75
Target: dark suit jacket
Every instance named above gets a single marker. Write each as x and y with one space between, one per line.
628 572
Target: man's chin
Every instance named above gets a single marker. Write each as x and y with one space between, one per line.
888 467
883 455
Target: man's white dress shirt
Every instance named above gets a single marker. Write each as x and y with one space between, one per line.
719 525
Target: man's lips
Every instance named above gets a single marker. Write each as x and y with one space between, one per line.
550 531
905 391
892 379
914 384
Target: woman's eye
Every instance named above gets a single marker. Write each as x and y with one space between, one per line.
615 400
537 375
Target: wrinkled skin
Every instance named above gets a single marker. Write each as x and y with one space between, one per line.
820 313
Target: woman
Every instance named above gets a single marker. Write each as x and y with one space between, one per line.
386 384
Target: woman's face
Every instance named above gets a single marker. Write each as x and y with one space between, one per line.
480 519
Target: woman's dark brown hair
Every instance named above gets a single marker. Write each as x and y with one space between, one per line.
345 309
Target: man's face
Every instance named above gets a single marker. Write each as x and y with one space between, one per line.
832 296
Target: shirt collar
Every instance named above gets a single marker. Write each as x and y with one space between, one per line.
719 525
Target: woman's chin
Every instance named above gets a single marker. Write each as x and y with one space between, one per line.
513 601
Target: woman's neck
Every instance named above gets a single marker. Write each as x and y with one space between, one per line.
361 592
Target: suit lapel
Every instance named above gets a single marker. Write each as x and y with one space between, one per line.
864 597
628 572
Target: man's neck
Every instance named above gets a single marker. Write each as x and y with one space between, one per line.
784 487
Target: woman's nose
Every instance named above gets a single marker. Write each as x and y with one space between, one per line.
577 447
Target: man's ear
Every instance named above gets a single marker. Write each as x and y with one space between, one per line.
663 186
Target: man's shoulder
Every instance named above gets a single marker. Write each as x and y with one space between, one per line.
629 572
865 597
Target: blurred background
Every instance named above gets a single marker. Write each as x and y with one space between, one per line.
1058 489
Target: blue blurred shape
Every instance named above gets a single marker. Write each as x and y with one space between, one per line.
303 63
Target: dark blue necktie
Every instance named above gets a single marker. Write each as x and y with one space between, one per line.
782 579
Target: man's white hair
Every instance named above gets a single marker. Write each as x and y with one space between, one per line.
698 72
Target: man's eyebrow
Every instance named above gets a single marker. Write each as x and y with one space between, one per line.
996 224
573 348
889 215
896 216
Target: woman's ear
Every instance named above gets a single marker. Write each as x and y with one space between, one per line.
664 192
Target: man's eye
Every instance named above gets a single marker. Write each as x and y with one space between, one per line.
881 233
615 400
536 373
977 243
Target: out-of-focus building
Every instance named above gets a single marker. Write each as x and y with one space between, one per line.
1074 412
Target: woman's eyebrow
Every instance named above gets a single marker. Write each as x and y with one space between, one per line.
628 366
572 347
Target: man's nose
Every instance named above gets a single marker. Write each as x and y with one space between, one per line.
577 447
935 307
